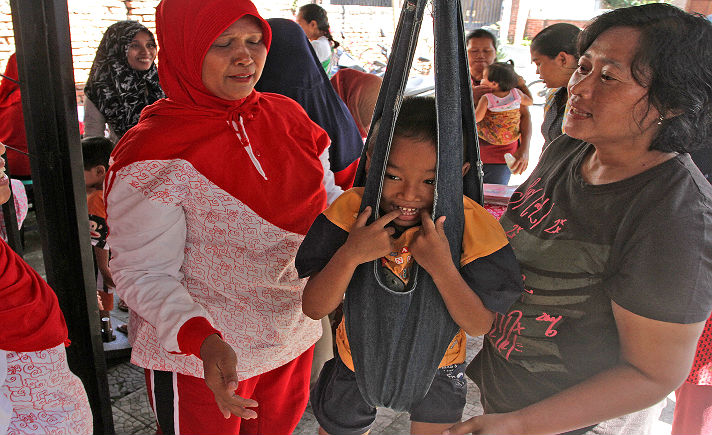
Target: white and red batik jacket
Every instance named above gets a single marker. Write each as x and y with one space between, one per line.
206 210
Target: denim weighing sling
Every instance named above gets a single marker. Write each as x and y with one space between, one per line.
398 339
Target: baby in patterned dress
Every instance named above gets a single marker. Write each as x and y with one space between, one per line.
497 113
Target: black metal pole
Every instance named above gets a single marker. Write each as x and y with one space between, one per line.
49 106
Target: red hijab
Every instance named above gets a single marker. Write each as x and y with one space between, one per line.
262 149
29 312
9 90
359 90
12 123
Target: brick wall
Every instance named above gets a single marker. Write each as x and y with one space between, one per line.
535 26
702 6
359 29
7 40
512 29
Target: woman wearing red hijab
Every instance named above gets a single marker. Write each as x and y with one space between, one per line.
38 393
359 90
12 124
208 199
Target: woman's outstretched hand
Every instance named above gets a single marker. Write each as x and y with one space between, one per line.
219 365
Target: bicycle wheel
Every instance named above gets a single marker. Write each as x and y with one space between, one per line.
538 89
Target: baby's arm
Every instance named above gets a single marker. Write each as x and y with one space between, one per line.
526 99
431 250
522 86
325 289
481 109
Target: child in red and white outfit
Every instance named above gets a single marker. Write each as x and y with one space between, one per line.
38 393
208 198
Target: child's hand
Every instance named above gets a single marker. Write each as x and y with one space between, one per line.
368 242
430 247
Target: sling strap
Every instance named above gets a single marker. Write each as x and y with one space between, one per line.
398 339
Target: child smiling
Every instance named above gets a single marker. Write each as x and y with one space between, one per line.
486 281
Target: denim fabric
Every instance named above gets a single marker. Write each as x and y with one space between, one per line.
496 173
398 339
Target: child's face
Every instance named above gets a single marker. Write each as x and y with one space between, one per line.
94 177
409 182
486 82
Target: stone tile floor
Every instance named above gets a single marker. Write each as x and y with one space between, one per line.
133 415
127 387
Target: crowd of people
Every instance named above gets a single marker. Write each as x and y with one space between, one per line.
236 231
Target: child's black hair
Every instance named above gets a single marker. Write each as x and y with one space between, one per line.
417 119
312 12
96 151
503 74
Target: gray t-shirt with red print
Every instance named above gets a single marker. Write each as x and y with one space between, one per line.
644 243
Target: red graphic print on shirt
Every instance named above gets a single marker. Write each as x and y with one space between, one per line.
532 204
506 332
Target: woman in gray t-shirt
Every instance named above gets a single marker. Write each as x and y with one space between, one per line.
613 234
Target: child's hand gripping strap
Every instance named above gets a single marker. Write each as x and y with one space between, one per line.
398 339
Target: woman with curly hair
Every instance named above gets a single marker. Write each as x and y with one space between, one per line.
613 233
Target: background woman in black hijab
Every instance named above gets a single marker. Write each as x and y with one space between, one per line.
123 80
292 70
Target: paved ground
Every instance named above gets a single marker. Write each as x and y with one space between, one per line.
132 413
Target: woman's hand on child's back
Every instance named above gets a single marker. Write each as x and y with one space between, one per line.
369 242
429 246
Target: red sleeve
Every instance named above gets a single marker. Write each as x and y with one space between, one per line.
192 334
